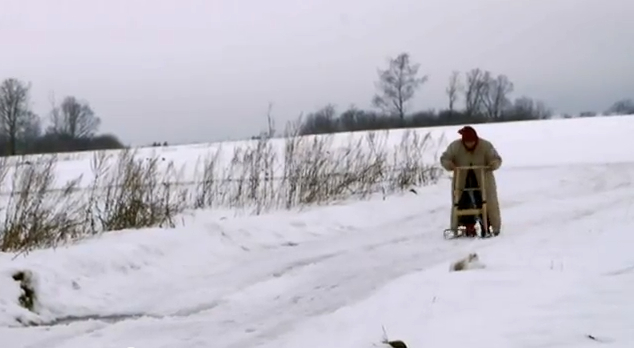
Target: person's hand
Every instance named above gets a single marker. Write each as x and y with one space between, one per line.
493 164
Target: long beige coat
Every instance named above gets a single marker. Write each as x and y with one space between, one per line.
484 154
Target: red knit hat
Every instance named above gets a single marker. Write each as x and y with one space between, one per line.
468 134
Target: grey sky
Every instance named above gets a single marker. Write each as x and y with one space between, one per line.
203 70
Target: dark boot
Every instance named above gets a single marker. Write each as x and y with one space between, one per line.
470 230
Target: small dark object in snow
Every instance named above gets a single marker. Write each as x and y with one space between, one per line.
465 263
397 344
28 297
599 339
413 191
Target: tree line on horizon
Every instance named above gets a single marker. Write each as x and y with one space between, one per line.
477 96
72 125
474 97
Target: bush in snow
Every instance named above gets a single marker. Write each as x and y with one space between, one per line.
36 214
131 193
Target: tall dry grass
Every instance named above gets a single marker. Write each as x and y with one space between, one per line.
127 191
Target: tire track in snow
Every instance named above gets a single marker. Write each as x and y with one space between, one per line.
382 262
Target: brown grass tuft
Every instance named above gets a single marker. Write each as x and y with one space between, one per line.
127 191
134 193
36 214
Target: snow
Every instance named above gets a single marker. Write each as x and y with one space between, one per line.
560 275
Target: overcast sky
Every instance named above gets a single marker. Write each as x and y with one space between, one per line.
204 70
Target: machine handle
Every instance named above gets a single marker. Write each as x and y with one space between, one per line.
471 167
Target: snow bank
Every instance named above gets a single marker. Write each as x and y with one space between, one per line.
116 274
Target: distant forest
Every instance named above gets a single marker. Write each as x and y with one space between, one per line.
475 96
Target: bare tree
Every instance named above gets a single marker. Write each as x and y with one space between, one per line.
397 85
31 128
525 108
322 121
351 118
475 90
74 119
452 90
622 107
270 122
495 97
15 113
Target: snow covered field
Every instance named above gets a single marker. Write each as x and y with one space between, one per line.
560 275
518 137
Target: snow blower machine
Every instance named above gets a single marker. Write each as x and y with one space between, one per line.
469 206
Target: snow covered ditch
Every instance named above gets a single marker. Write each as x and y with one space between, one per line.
114 275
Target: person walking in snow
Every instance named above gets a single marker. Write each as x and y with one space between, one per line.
471 150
